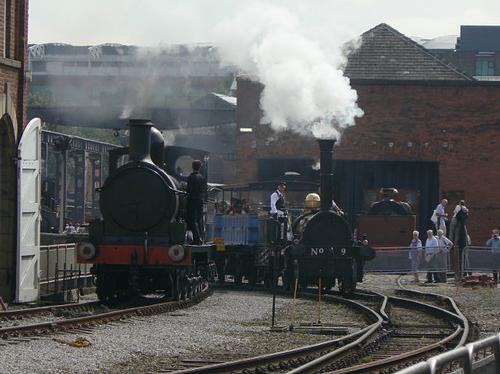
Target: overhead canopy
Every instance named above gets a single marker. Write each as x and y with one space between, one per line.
106 117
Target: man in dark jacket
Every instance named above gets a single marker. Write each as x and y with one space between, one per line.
196 189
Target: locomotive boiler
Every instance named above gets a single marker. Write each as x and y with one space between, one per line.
139 245
323 247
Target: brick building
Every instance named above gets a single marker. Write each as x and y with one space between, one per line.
13 109
427 127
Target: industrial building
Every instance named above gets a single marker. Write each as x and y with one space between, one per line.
428 128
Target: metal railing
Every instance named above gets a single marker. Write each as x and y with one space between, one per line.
480 259
59 270
407 259
482 356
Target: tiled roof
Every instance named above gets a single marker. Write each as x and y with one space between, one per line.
386 54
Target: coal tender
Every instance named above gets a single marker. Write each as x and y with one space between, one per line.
323 251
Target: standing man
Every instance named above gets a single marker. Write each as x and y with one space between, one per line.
196 189
494 244
444 245
278 209
441 216
431 248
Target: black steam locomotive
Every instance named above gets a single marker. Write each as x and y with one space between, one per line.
139 245
323 246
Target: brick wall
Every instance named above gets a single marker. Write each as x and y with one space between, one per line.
456 125
13 54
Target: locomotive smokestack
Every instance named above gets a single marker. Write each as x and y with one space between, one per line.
140 140
326 174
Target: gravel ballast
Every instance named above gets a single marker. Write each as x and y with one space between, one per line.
226 322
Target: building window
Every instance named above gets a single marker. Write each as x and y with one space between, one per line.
485 65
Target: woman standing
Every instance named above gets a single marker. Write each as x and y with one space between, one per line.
415 254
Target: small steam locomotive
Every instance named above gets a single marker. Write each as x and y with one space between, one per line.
323 250
139 245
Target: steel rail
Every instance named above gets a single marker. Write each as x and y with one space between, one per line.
281 358
105 317
392 361
449 300
322 362
30 312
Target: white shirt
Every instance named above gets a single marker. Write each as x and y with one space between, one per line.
440 211
431 245
275 196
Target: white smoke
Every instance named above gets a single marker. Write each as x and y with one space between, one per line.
304 89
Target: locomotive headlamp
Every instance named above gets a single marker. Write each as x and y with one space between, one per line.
176 253
87 250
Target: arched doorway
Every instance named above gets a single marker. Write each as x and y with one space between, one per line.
8 188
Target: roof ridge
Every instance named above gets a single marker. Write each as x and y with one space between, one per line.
421 48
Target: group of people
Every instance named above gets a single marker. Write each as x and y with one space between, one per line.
433 256
71 228
434 253
440 217
457 229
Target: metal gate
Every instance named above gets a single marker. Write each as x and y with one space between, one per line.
28 213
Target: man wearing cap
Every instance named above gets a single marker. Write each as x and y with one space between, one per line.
278 201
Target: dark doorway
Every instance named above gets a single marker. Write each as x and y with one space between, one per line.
7 209
352 178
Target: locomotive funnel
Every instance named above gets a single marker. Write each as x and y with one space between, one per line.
139 142
326 174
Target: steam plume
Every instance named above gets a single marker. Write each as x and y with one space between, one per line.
304 89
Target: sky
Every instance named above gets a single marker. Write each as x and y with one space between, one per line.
157 22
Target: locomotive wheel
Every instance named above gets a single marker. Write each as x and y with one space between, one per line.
329 284
238 278
103 292
348 285
105 286
252 277
177 286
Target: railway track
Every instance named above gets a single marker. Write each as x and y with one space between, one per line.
94 314
403 331
285 361
27 313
